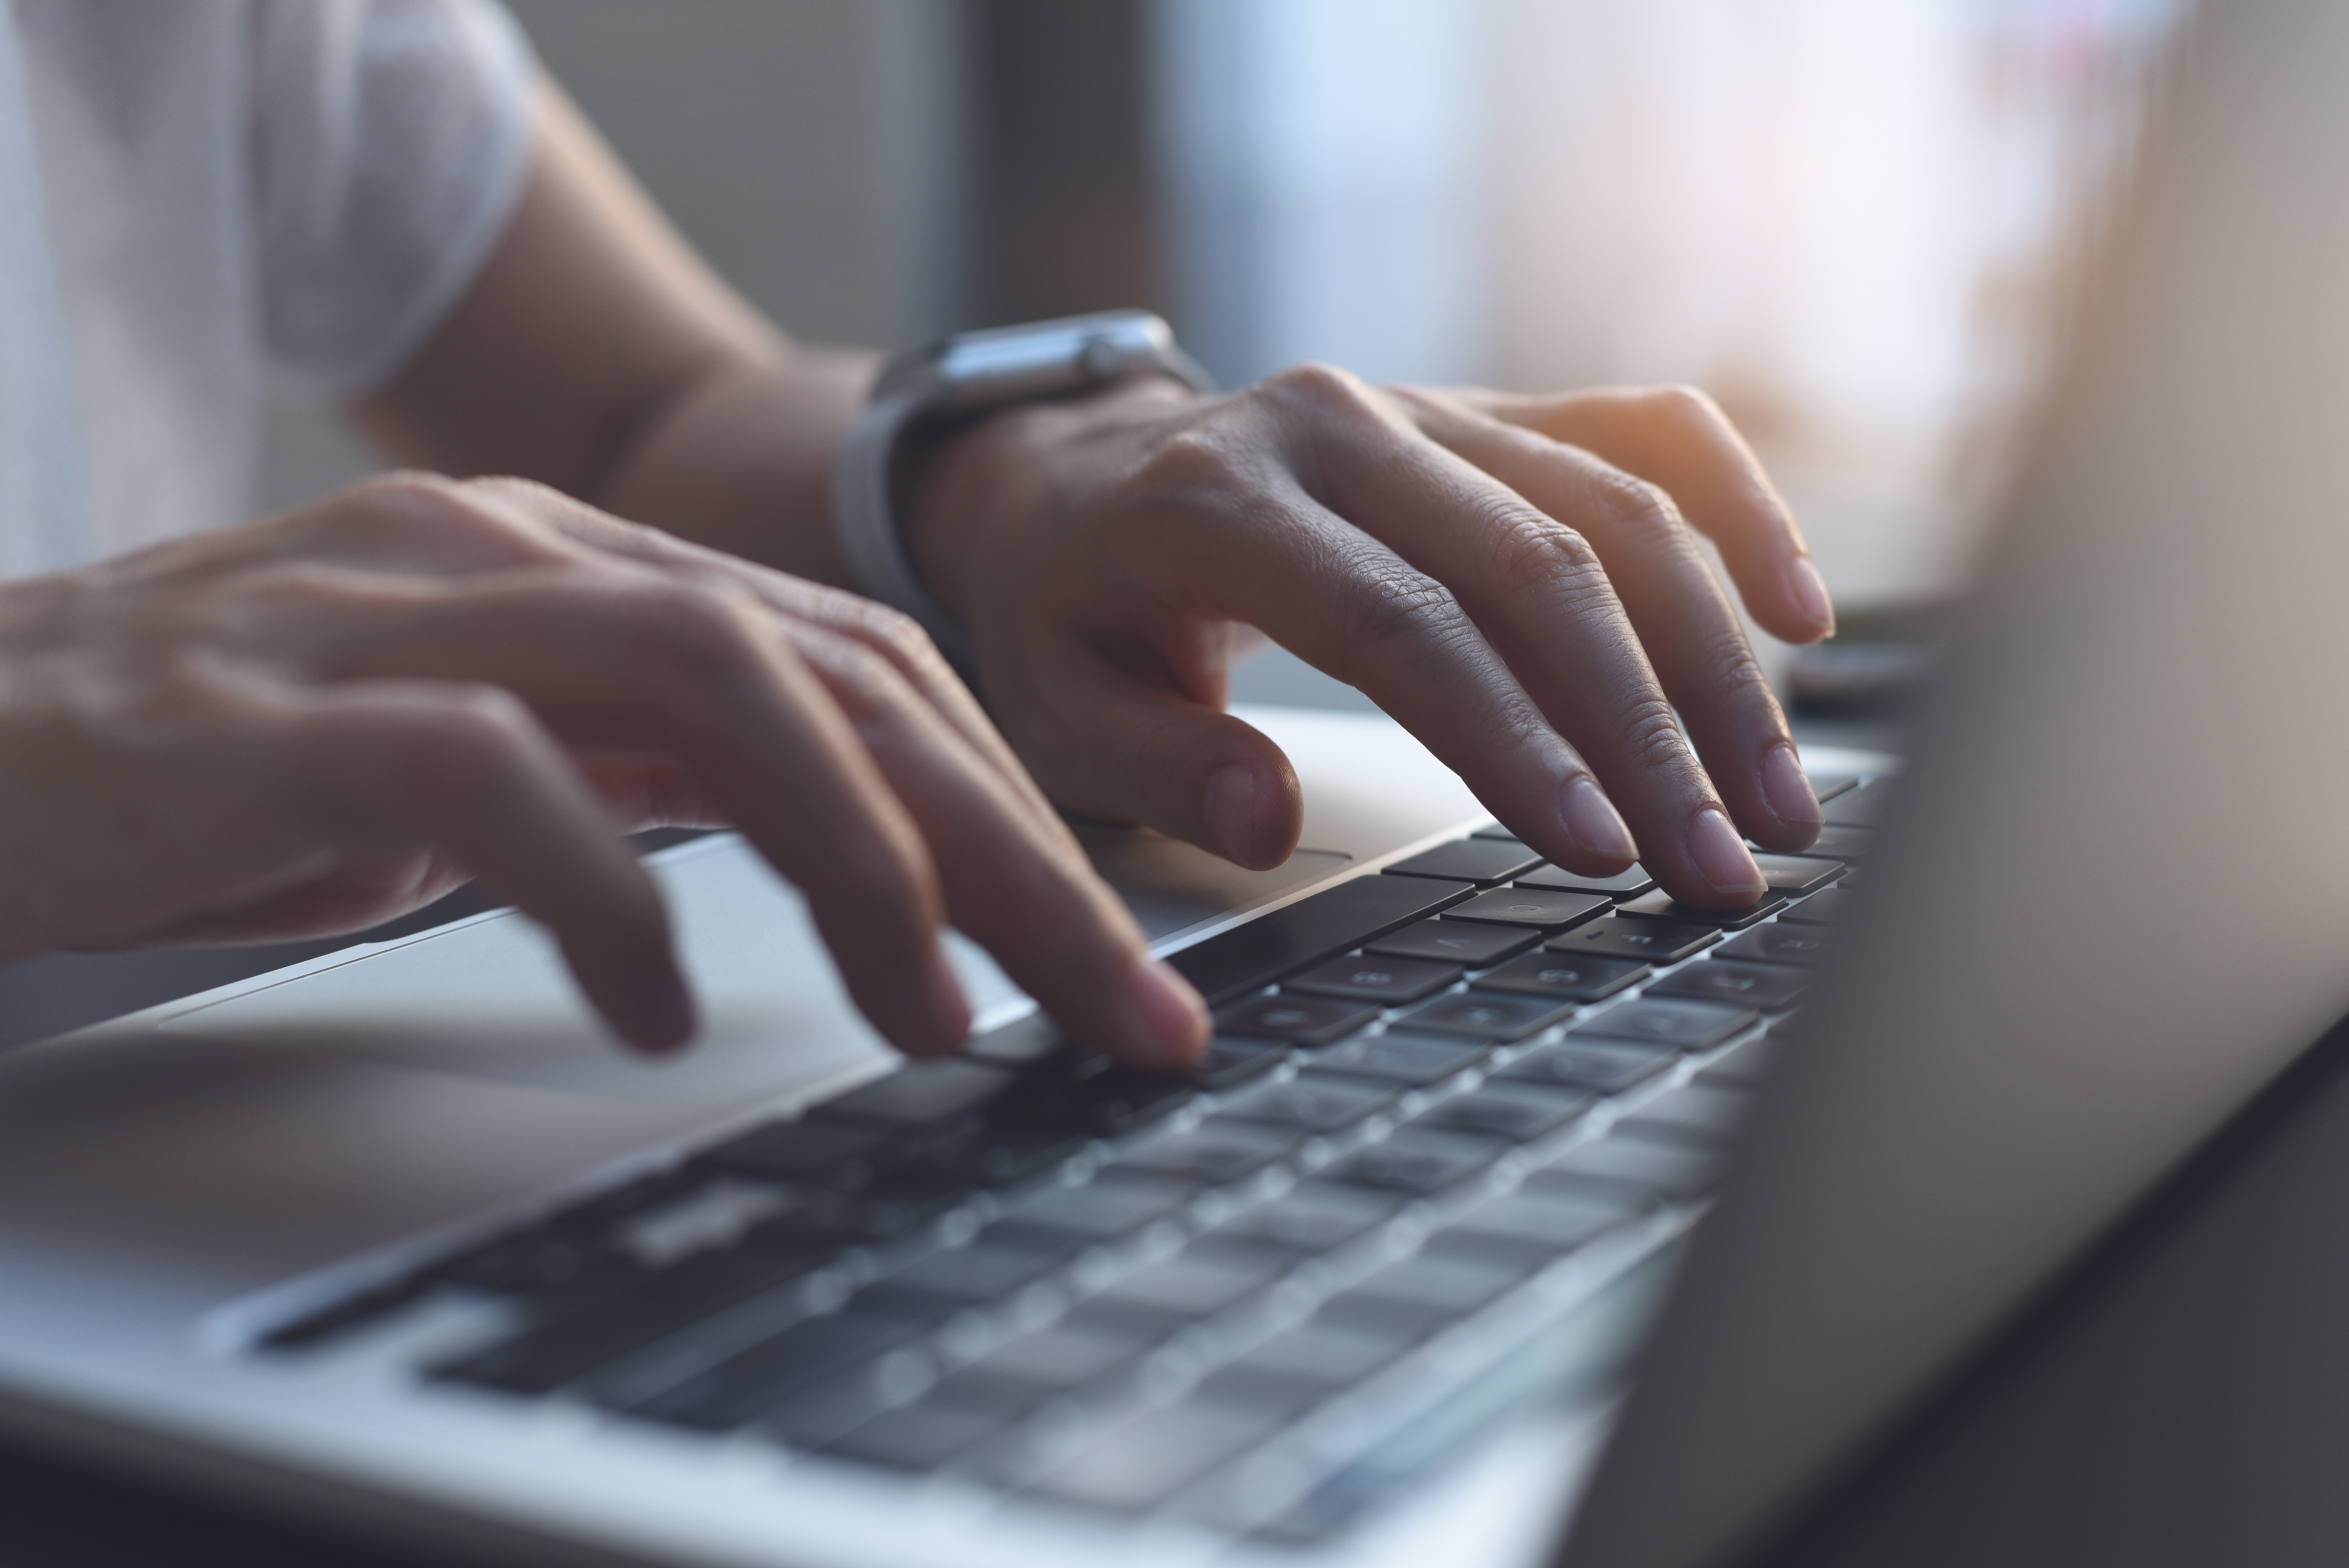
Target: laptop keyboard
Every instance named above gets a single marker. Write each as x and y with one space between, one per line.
1444 1107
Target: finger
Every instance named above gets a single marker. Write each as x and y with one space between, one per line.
1345 603
632 662
1117 745
342 890
1021 887
467 768
1536 601
1691 634
897 636
1678 437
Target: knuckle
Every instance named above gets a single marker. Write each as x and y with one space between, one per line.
1647 736
895 635
705 635
470 742
860 675
1397 604
1316 386
1191 462
414 507
1537 555
1727 659
1633 502
1680 405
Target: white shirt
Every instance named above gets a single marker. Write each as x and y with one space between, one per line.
198 194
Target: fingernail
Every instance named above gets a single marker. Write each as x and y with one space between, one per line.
1789 788
1168 1023
1809 590
1229 809
1721 856
1592 820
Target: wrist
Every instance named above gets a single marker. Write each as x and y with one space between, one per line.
962 487
971 375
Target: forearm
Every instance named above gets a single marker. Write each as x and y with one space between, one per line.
739 457
597 354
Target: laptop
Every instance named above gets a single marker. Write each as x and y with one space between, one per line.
1512 1219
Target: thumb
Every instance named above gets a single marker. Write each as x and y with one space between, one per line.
1110 743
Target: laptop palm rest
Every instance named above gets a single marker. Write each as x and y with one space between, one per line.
201 1151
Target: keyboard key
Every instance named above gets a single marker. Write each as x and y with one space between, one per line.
1819 909
1487 862
1334 1355
1652 941
1706 1112
1228 1062
1565 978
920 1439
1626 883
1314 1216
1234 963
1861 807
1515 1112
1275 1391
1794 875
1094 1094
919 1094
1398 1057
1778 943
1826 787
1301 1020
1553 1219
1109 1206
1207 1278
827 1408
1679 1171
1747 1067
548 1260
749 1383
1000 1399
1063 1356
1450 1285
979 1272
1496 831
1449 942
994 1155
1371 977
1683 1026
1770 988
1486 1016
1214 1155
1142 1463
1316 1105
1418 1161
1539 908
793 1151
1840 844
1595 1067
550 1355
1663 906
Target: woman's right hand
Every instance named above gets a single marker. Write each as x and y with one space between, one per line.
319 721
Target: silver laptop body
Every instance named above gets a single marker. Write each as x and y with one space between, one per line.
2145 686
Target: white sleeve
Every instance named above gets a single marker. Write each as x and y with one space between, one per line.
391 141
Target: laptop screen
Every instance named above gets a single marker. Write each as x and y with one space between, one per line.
2032 1020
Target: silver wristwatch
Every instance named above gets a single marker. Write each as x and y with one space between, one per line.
969 373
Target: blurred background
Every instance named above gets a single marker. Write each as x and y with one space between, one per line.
1856 222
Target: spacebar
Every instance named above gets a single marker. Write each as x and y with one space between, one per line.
1233 962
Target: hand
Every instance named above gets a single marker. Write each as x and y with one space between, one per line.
1513 578
315 722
